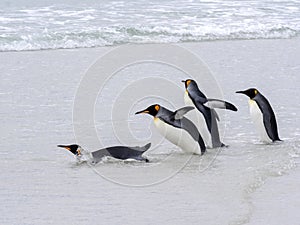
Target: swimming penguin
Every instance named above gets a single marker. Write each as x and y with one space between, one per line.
193 96
262 115
118 152
176 128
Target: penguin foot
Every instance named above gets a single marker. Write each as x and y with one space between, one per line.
223 145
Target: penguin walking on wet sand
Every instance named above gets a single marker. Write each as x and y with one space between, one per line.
262 115
176 128
209 127
118 152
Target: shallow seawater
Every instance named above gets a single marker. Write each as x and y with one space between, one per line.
42 184
36 25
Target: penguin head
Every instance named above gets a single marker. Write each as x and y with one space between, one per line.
251 92
190 85
188 82
152 110
75 149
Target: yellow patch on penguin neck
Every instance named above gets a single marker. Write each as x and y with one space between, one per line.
251 101
255 92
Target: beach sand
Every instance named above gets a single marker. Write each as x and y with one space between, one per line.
42 184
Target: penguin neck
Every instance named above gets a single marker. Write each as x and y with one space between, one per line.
251 101
84 156
195 91
187 99
163 112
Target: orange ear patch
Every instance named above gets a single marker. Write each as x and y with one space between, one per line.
188 82
157 107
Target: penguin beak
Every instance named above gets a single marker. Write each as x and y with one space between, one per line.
183 81
240 92
64 146
143 111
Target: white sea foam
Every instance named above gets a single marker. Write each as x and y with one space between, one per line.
113 23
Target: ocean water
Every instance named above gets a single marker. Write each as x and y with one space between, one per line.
35 25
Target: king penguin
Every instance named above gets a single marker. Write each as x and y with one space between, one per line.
118 152
262 115
176 128
207 124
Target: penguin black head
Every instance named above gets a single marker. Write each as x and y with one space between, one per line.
152 110
75 149
251 92
188 82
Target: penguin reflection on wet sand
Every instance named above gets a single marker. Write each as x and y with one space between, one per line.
118 152
193 96
262 115
176 128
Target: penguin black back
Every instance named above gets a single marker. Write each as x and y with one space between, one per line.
268 117
123 152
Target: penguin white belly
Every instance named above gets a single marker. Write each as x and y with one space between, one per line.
177 136
198 119
257 118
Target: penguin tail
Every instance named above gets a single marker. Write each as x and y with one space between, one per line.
142 148
146 147
201 144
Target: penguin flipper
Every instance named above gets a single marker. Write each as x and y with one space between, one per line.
271 126
215 114
219 104
179 113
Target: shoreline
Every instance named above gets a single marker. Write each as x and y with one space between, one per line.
235 64
154 43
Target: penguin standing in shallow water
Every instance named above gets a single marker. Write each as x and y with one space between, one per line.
209 128
176 128
118 152
262 115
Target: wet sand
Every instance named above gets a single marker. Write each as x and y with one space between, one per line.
42 184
